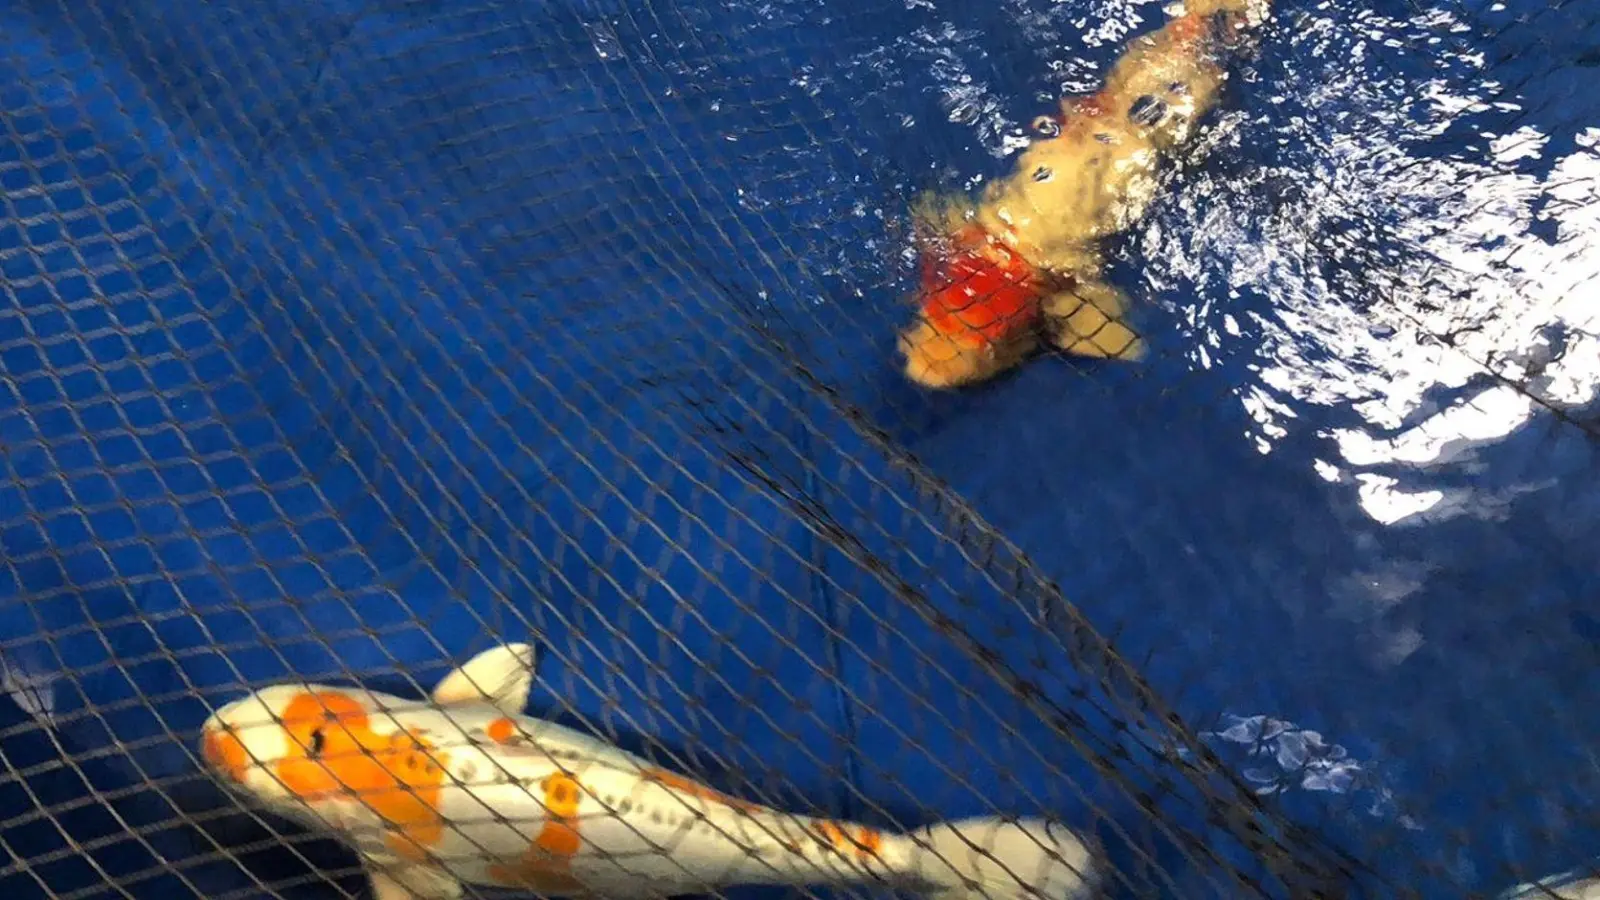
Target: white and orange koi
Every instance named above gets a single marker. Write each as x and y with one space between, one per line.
465 788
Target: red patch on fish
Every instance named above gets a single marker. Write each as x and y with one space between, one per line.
977 291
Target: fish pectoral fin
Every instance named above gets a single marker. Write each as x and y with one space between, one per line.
1089 319
502 676
413 882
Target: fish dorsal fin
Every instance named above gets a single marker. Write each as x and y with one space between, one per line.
502 676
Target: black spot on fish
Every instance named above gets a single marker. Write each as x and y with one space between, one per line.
1042 173
1147 111
1104 138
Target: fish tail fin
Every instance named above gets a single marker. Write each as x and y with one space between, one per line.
990 858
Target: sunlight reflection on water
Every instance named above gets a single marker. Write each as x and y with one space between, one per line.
1463 286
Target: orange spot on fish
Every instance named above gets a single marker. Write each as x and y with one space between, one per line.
695 789
562 797
977 291
546 867
223 749
869 841
335 752
832 835
1188 28
502 731
865 843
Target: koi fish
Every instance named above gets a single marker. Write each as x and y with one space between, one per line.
1022 265
465 788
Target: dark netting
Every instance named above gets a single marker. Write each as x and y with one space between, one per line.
345 340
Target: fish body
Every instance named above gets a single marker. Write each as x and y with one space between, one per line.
468 789
982 303
1028 262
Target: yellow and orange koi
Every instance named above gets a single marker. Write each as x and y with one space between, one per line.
1022 266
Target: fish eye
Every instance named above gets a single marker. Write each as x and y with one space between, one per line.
319 740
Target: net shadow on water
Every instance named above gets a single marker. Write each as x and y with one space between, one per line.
342 340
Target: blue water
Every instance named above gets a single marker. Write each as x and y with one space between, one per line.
345 338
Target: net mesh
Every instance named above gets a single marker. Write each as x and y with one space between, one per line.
342 340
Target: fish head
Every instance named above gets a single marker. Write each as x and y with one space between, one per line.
310 748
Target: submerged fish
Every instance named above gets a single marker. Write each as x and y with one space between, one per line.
1022 265
465 788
